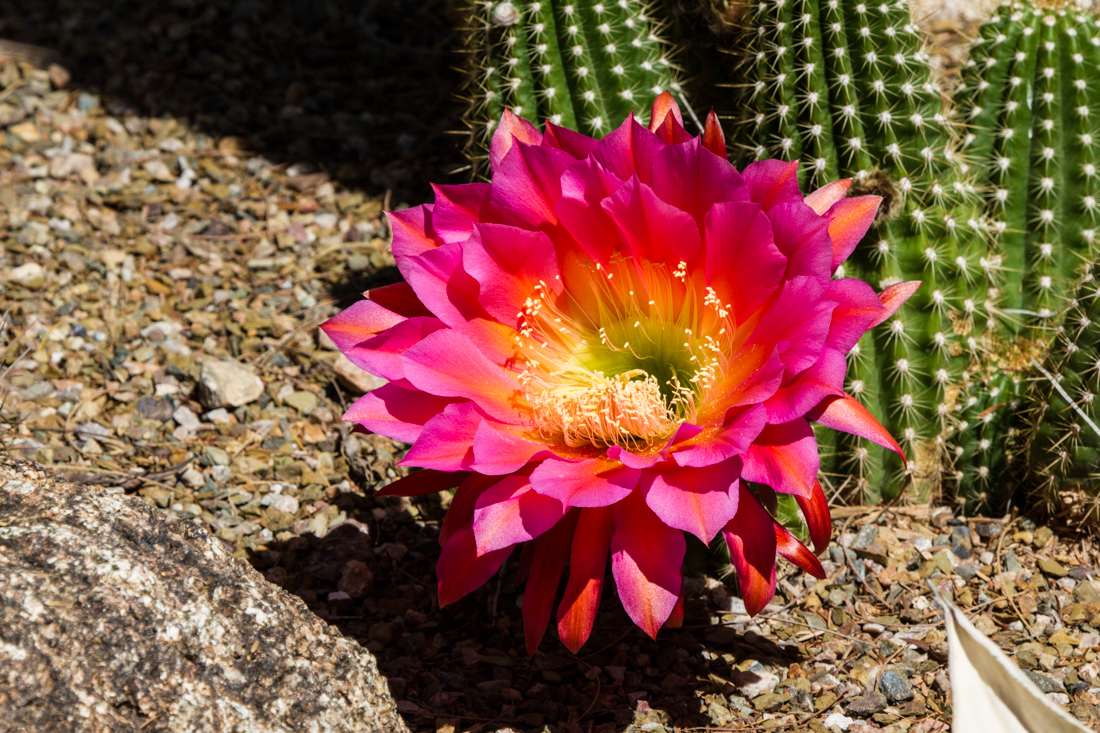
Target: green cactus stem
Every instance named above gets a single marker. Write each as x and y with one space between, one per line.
1065 446
847 88
581 64
986 440
1030 100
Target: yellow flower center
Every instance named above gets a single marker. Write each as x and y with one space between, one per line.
607 367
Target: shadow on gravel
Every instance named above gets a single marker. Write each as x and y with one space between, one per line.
362 89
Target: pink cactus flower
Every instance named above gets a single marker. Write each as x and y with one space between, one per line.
602 347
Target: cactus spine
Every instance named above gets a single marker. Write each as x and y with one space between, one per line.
847 88
580 64
1065 446
1030 101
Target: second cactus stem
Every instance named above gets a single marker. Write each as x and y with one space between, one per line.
1065 445
847 88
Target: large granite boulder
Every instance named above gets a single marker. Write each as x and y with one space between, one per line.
116 616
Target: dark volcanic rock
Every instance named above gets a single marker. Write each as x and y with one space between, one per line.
113 615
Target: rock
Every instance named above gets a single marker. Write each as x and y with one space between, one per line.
837 720
1052 567
82 164
29 275
865 537
9 115
869 703
1044 682
302 401
192 477
228 384
960 542
115 615
895 686
216 456
967 570
281 502
188 423
946 561
752 683
356 580
59 76
354 378
1086 590
1042 537
155 409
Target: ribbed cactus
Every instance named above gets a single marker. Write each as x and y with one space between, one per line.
1031 100
847 88
986 440
1065 445
580 64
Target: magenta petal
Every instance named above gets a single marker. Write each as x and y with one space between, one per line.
498 452
846 414
803 237
398 298
743 264
797 324
653 230
806 390
446 363
750 536
508 262
763 383
772 182
578 145
646 556
584 185
511 512
629 150
823 198
446 443
894 297
693 179
512 128
442 285
459 208
412 232
784 457
857 308
590 483
732 439
633 460
381 354
359 322
461 570
527 183
696 500
849 221
396 412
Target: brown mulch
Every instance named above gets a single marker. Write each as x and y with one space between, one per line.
141 236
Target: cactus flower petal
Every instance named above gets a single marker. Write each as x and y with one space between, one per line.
815 509
750 536
646 555
602 348
784 457
587 567
846 414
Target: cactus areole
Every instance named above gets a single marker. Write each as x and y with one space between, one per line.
610 344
